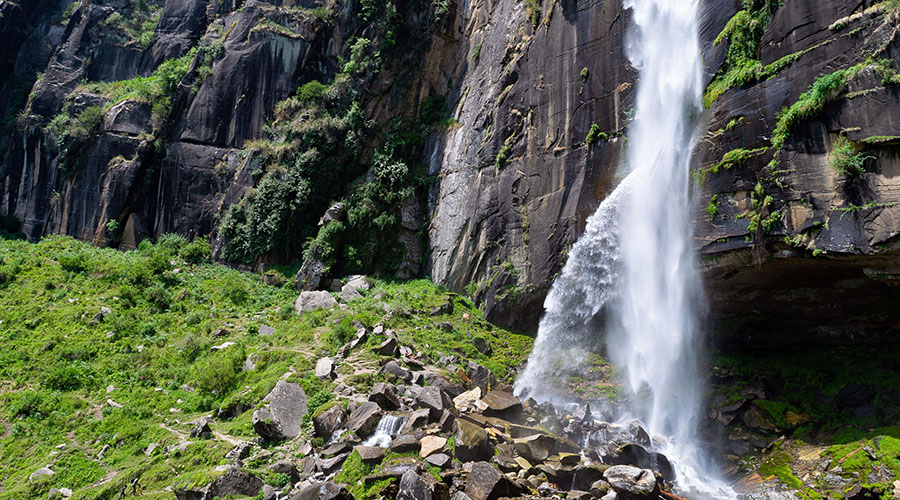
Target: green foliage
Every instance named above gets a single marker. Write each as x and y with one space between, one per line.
156 90
310 93
744 32
713 207
846 159
594 135
825 89
476 52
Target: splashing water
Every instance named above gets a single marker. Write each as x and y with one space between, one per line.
388 427
633 274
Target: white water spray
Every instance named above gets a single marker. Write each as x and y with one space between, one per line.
632 274
388 427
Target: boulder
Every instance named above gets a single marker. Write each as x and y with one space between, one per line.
435 400
431 444
387 348
201 429
370 453
413 487
467 399
330 420
332 491
312 300
599 488
440 460
191 493
443 383
415 421
632 483
756 418
234 482
535 448
40 475
384 395
481 377
285 467
238 453
487 483
398 371
283 413
265 331
503 405
636 455
364 419
405 443
482 346
325 368
350 291
471 442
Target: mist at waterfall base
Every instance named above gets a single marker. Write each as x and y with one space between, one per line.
630 286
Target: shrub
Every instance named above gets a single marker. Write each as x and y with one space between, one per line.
218 372
846 159
197 251
594 135
311 92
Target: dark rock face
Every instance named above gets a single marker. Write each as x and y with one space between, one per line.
516 180
487 483
235 482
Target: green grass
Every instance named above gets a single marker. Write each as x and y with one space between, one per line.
154 348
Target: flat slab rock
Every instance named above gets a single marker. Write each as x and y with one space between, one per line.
283 413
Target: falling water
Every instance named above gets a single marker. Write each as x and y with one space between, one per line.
388 427
631 280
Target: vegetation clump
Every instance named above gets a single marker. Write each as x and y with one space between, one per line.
846 158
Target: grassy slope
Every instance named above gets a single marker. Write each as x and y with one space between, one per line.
154 349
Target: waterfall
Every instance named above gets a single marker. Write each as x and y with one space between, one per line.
388 427
630 283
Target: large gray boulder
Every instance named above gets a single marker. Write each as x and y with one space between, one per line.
486 482
632 483
471 442
330 420
312 300
283 413
234 482
364 418
413 487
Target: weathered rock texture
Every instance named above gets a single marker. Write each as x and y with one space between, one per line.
514 177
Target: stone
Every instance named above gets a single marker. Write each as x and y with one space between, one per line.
332 491
312 300
220 332
481 377
639 435
599 488
435 400
416 420
393 368
334 463
445 308
201 429
364 419
440 460
387 348
268 492
235 482
756 418
413 487
370 453
384 395
482 346
431 444
405 443
335 449
328 421
632 483
265 331
471 442
503 405
350 291
636 455
151 449
487 483
283 413
238 453
443 383
325 368
335 212
578 495
467 399
40 475
535 448
459 495
285 467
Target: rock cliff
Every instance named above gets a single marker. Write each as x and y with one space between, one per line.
489 132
